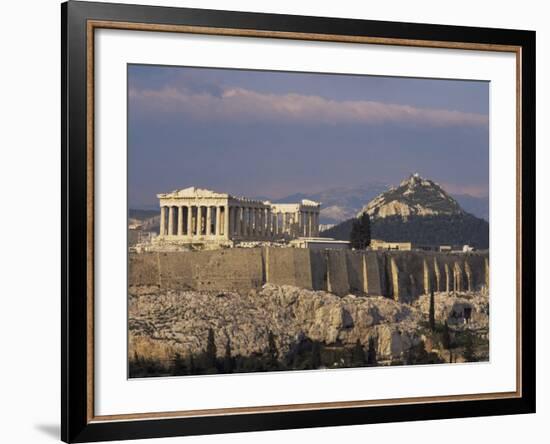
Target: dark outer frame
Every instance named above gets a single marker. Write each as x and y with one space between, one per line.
78 423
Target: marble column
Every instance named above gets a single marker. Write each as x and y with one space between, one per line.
199 220
253 223
218 224
189 220
244 229
315 224
162 230
170 220
226 232
236 219
317 215
231 230
250 221
268 223
180 221
219 219
208 220
240 221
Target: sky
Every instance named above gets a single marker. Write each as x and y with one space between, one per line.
273 134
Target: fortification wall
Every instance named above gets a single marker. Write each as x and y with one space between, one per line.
402 276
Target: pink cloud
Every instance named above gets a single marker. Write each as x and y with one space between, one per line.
239 104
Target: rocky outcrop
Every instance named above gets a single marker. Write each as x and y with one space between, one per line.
162 323
415 196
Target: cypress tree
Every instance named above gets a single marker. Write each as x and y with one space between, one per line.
358 354
228 359
432 311
446 337
371 352
469 355
272 352
210 355
179 368
192 367
316 355
360 232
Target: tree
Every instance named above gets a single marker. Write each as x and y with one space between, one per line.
469 355
446 337
272 352
432 311
371 352
360 232
192 367
179 368
358 354
316 355
228 364
210 354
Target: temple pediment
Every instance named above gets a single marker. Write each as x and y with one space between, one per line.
193 192
310 202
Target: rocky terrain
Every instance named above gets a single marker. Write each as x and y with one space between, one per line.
163 324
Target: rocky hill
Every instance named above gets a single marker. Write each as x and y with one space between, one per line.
162 324
420 211
414 196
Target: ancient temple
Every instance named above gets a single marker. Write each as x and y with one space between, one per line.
198 215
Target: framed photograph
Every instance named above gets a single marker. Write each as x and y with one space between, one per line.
275 221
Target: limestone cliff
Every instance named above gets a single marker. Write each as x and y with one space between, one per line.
162 323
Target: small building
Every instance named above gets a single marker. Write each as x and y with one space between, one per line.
320 243
378 244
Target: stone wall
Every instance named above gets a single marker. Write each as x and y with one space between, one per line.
402 276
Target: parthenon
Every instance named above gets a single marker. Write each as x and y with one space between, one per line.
199 215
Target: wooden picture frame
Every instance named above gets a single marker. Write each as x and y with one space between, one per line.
79 22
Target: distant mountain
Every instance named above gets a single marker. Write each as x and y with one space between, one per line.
339 204
148 219
414 196
420 211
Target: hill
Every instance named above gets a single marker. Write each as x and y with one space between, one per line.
419 211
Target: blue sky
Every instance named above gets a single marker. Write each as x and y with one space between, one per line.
264 133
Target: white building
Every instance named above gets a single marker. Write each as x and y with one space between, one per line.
196 215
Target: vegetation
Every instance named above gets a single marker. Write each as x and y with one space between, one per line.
432 311
305 355
360 232
418 355
371 352
358 355
422 230
446 337
469 354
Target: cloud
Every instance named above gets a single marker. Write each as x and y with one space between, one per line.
239 105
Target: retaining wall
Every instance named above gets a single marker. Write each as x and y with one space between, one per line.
399 275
